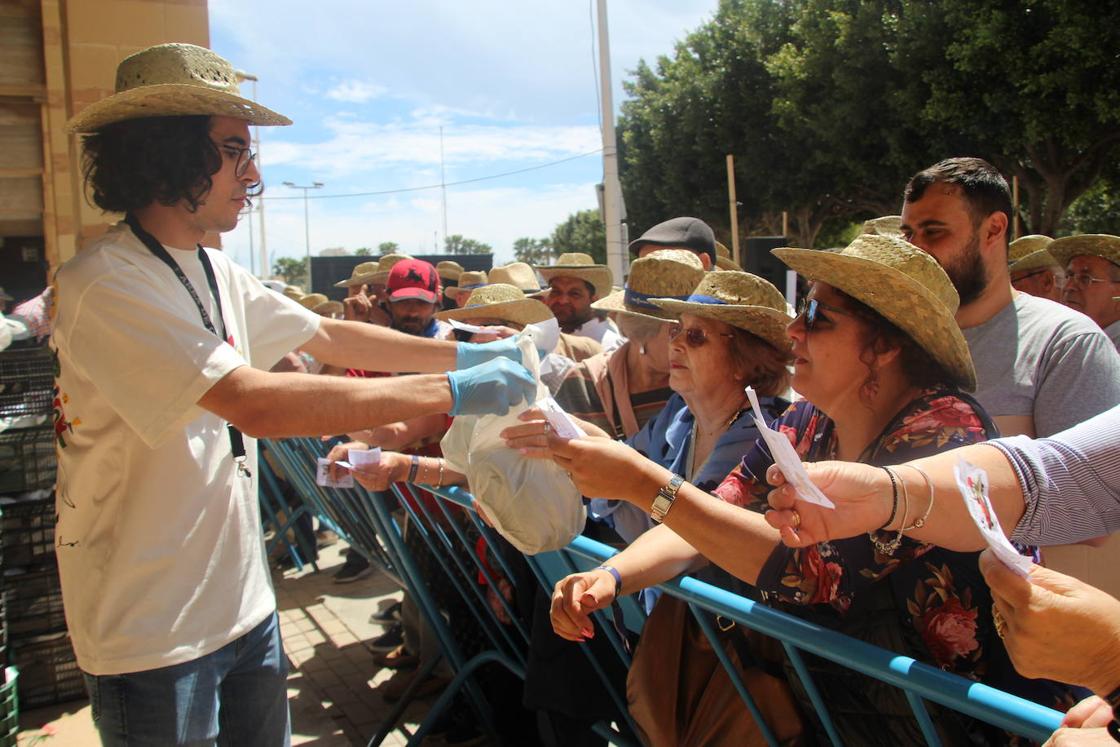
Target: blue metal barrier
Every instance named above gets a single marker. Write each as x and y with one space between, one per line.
440 533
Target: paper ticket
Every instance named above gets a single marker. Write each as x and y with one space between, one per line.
786 458
323 476
362 457
472 328
562 423
973 484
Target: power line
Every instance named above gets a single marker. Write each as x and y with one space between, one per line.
440 186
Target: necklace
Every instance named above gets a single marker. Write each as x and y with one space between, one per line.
691 457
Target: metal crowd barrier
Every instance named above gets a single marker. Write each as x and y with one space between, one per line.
366 520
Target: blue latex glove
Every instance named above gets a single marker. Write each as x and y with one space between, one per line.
470 354
491 388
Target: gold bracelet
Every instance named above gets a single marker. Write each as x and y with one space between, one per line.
919 523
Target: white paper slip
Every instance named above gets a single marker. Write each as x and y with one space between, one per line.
973 484
472 328
562 423
362 457
786 458
323 476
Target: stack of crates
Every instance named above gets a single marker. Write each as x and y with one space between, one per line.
32 626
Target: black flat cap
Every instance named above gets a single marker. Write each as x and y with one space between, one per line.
687 233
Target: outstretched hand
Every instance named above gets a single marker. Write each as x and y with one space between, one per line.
575 598
862 495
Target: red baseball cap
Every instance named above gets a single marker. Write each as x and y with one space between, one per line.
413 278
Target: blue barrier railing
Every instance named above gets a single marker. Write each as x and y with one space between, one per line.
920 682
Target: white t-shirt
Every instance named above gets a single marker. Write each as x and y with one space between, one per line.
602 331
158 539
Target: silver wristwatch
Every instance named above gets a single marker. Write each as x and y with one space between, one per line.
664 499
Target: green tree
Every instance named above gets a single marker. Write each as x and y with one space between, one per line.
533 251
582 231
363 251
294 271
458 244
388 247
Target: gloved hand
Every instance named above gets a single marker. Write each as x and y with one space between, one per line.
491 388
469 354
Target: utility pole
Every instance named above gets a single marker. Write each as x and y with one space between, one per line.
266 270
306 224
614 212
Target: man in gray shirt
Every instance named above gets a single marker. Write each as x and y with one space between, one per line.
1041 367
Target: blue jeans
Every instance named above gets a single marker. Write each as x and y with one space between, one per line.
236 695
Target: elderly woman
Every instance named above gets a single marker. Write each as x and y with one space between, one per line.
881 363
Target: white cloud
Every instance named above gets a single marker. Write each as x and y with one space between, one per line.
355 91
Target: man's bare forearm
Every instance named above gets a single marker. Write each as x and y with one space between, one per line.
375 348
277 405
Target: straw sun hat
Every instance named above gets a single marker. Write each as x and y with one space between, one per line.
320 304
468 281
723 258
740 299
1030 253
449 270
582 266
360 275
1086 245
172 80
502 302
517 274
903 284
665 273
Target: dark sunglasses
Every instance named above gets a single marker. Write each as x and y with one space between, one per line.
694 337
810 309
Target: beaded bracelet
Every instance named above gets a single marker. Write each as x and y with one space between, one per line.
890 546
894 493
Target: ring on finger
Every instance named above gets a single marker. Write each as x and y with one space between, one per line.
796 519
998 622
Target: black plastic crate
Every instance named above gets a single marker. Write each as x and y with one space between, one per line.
48 671
26 381
27 459
27 531
33 603
9 706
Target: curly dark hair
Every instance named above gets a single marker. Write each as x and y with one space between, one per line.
918 366
131 164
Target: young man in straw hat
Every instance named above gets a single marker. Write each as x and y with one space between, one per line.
1041 367
574 283
1033 269
1092 265
163 355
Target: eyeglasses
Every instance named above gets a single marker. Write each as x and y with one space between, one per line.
810 309
1084 280
694 337
244 156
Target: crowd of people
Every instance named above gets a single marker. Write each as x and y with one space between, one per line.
931 335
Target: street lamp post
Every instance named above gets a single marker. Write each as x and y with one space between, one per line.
306 224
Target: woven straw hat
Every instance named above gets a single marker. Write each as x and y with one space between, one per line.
1030 253
311 300
360 275
582 266
517 274
1087 244
468 281
665 273
329 308
173 80
724 260
903 284
449 269
384 265
887 225
499 301
293 292
740 299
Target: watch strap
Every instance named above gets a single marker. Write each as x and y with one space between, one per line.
663 501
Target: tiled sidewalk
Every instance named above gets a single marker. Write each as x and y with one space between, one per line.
333 689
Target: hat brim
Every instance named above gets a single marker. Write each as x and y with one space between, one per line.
171 100
1039 260
1063 255
329 307
414 294
599 276
522 311
900 299
726 263
769 324
616 303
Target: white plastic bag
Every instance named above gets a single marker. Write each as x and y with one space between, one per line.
532 502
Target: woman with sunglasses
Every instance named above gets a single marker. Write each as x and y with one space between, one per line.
882 365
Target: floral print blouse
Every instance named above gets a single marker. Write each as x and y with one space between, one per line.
941 598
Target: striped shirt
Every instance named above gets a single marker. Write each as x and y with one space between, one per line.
1070 481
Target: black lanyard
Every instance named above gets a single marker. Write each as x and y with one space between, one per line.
236 441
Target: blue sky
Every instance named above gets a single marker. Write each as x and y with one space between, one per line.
368 85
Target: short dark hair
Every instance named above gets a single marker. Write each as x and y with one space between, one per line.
918 366
131 164
984 189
